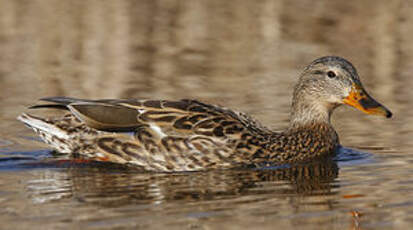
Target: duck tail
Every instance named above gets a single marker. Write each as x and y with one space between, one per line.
58 138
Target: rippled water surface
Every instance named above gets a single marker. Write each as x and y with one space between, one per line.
245 55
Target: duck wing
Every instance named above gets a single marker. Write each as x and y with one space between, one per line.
183 118
182 135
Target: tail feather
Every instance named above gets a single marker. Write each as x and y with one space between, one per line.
51 134
58 103
62 100
50 106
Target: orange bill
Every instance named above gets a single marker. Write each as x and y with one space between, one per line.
359 99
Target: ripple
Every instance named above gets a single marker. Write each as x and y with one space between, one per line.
348 156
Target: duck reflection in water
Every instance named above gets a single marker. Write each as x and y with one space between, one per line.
116 187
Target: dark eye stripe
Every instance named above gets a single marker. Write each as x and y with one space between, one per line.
317 72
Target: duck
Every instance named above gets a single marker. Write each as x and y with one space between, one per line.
190 135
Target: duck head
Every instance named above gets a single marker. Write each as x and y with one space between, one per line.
327 83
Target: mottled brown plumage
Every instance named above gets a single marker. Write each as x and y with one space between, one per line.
188 135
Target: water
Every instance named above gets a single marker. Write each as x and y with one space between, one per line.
243 55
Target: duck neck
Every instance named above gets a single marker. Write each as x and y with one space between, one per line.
307 111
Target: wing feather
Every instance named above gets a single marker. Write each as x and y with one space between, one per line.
167 135
179 118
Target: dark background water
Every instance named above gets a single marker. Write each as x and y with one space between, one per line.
242 54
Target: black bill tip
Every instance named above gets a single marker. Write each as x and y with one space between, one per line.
388 114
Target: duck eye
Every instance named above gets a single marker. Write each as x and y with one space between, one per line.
331 74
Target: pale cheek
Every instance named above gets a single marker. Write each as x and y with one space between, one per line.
334 100
346 92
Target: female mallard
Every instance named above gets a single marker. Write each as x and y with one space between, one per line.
188 135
